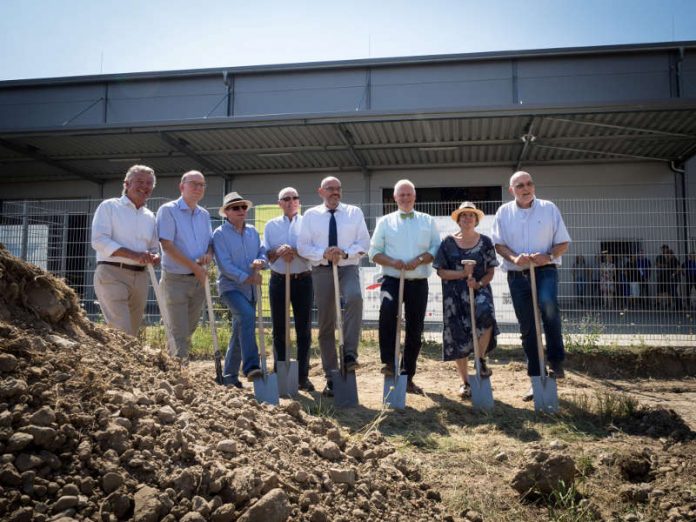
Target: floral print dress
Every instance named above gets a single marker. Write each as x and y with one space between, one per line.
457 341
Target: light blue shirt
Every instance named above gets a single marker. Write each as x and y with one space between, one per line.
529 230
234 253
284 231
405 239
189 230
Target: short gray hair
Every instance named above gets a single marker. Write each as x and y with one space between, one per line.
287 189
518 174
137 169
190 173
403 182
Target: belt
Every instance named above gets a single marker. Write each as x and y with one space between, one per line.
134 268
525 273
300 275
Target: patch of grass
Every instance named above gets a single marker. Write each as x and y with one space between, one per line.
320 408
566 504
607 406
586 340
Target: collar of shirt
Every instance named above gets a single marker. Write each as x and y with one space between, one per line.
126 202
340 208
183 206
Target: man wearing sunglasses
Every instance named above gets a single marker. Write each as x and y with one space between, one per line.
239 255
530 230
280 241
185 235
335 233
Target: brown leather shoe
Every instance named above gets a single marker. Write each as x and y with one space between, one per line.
387 370
412 387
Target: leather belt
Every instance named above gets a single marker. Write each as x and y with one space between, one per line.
134 268
300 275
525 273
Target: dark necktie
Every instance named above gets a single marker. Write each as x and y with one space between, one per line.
333 230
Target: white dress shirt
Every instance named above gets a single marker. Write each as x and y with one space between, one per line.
529 230
284 231
117 223
353 237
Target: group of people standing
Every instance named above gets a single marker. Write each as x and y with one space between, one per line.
307 248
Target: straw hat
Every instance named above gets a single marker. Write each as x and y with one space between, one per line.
231 199
467 206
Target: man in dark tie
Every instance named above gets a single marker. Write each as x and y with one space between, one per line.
335 233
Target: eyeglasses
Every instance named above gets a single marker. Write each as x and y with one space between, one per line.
196 184
332 189
290 198
237 207
522 185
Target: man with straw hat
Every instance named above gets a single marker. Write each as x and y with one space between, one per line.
530 230
404 240
239 255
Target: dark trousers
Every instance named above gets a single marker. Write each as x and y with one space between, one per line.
547 292
301 301
415 303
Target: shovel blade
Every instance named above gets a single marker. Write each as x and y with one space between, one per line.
545 394
345 389
287 371
266 389
481 393
394 394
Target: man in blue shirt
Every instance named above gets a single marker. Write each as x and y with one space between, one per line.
404 240
530 230
239 256
280 242
185 235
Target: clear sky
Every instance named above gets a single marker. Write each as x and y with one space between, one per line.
51 38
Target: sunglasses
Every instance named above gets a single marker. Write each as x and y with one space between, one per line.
290 198
237 207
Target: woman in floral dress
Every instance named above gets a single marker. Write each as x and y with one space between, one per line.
457 340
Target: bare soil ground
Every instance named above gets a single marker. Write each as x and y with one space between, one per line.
97 426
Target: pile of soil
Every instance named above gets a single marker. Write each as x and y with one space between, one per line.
94 425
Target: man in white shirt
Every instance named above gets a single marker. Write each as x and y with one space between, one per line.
532 230
280 241
335 233
404 240
124 235
186 237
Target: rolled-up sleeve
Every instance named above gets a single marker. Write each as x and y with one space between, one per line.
434 238
361 245
102 240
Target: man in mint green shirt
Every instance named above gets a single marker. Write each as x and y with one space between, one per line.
404 240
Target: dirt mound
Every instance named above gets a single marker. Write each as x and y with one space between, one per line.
94 425
657 422
657 362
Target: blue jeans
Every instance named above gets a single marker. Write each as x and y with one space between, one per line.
547 292
243 338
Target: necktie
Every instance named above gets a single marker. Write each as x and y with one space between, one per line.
406 215
333 231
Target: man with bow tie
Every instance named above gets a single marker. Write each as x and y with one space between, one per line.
404 240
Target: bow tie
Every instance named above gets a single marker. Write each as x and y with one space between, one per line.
406 215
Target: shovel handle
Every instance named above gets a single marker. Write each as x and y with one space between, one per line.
537 321
287 311
160 302
339 317
211 315
397 341
259 322
472 312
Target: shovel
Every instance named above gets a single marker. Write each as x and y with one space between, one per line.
160 303
266 386
345 387
394 394
481 392
213 333
544 387
287 370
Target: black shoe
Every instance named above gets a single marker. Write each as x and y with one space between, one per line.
328 389
306 385
350 363
485 370
235 384
388 370
557 371
412 387
254 373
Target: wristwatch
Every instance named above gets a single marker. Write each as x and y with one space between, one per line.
345 255
421 258
552 258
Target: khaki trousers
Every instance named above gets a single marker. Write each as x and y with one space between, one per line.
122 295
184 296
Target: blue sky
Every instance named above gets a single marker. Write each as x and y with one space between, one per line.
51 38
